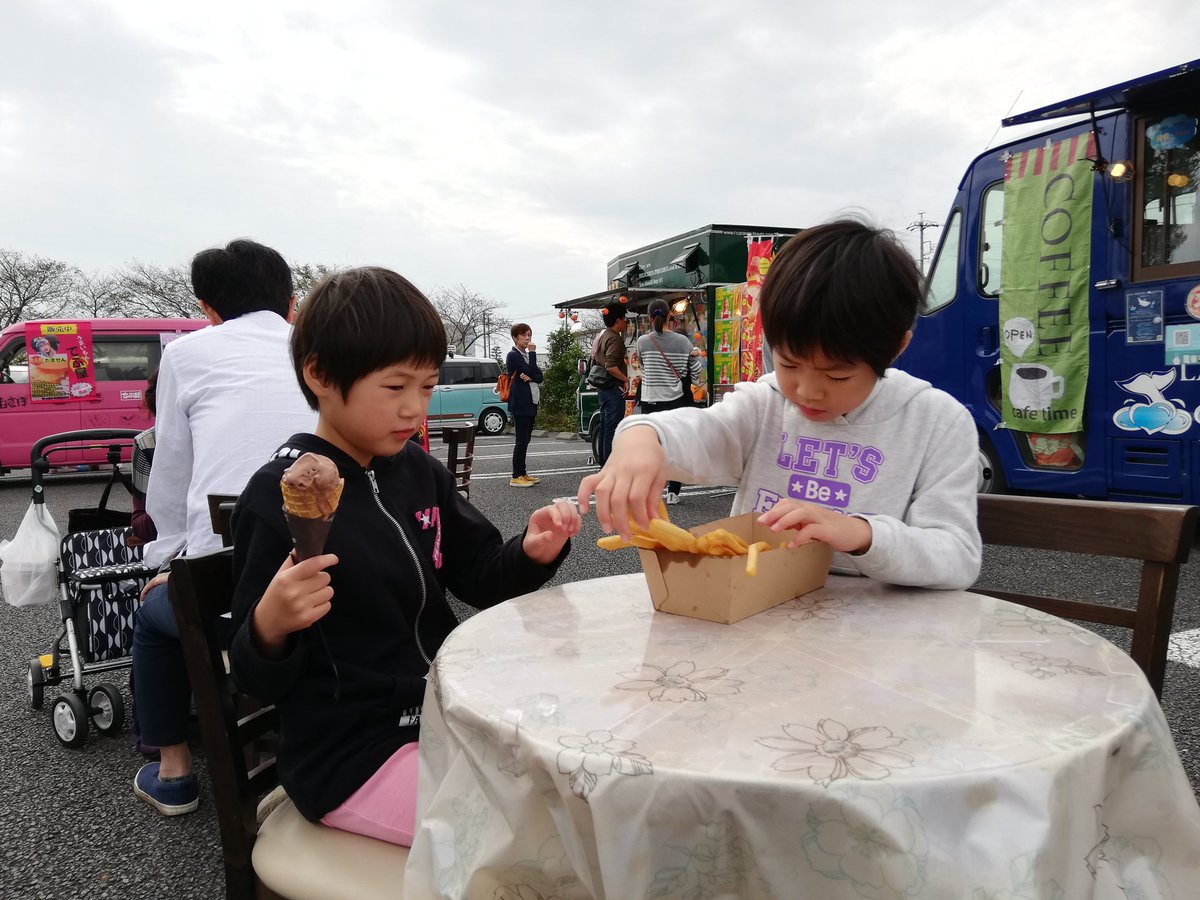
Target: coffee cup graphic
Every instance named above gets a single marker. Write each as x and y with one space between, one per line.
1034 386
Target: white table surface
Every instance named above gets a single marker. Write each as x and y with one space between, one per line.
862 741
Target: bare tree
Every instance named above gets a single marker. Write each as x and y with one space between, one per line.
157 292
32 287
470 318
96 296
305 275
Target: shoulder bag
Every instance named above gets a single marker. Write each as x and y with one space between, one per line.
685 380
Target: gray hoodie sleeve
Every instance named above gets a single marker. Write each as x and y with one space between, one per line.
712 445
921 507
936 543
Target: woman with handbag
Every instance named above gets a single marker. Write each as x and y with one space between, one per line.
669 369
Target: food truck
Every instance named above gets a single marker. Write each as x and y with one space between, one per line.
710 277
1063 303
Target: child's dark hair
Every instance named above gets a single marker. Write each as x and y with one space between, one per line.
242 277
362 320
845 289
520 328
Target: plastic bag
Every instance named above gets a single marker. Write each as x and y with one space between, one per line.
28 575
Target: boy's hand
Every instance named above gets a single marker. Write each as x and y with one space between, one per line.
631 482
848 534
549 528
297 596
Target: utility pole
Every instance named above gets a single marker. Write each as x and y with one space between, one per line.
920 225
485 335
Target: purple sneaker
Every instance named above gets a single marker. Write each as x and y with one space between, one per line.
171 798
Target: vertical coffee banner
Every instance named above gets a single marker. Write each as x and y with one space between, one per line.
60 361
1044 286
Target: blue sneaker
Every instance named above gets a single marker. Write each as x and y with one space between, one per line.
171 798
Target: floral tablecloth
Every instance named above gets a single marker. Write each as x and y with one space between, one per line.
862 741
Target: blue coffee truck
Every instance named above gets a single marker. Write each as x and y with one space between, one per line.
1063 304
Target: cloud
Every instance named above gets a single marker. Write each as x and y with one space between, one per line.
516 147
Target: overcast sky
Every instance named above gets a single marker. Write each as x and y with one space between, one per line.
515 147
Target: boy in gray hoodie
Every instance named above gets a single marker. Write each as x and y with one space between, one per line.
834 443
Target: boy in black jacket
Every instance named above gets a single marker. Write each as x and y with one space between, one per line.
343 651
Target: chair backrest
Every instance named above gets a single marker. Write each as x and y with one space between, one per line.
1159 535
201 589
460 455
220 515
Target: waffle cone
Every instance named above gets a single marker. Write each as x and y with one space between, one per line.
303 503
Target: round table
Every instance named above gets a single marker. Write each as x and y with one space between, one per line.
861 741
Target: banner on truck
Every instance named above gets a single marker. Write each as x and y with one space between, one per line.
1045 262
60 361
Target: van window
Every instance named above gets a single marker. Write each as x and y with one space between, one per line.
1167 168
991 239
942 284
14 365
469 372
125 358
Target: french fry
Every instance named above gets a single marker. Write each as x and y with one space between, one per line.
645 542
752 561
613 542
672 536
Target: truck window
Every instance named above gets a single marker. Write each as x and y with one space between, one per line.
942 283
991 238
1167 238
125 358
14 368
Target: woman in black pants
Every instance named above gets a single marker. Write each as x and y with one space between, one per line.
523 396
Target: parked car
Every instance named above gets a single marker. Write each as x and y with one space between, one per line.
466 392
101 366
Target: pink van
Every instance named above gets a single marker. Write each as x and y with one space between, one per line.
67 375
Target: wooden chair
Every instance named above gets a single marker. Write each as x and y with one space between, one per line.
269 849
220 515
1159 535
460 454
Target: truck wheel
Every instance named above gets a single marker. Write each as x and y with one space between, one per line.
493 421
991 476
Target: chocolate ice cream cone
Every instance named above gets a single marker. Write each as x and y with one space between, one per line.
311 488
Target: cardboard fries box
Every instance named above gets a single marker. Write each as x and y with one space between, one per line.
718 589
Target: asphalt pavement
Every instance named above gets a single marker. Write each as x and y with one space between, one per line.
70 825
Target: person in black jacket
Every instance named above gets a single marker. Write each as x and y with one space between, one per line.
523 396
342 642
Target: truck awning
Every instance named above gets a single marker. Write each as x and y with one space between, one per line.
639 298
1138 90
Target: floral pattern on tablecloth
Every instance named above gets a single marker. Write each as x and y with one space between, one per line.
874 839
831 751
1040 666
1034 620
586 758
802 609
469 817
720 864
548 876
680 682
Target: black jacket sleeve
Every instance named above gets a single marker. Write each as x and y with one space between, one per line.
260 546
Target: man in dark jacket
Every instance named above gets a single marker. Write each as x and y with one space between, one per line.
523 395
